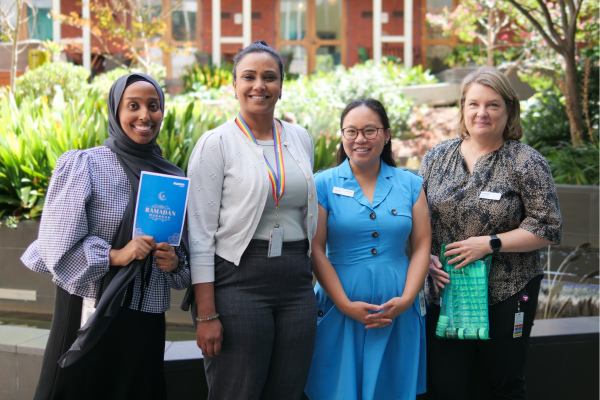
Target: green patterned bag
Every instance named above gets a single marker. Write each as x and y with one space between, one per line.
464 301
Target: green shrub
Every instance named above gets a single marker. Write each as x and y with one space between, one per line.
209 76
34 135
545 122
318 100
574 165
42 81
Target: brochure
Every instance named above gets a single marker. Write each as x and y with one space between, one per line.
161 206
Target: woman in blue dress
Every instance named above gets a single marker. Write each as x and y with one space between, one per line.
371 336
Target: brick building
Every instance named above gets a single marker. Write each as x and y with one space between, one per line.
312 34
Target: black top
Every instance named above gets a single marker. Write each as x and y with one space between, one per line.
529 201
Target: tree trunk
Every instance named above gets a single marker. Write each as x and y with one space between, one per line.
15 54
572 99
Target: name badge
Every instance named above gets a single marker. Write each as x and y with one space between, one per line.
490 195
518 330
275 242
343 192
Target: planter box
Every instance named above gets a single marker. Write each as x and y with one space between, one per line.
434 94
579 210
456 75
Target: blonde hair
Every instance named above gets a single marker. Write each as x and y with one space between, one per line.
491 77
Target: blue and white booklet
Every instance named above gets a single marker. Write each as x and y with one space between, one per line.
160 208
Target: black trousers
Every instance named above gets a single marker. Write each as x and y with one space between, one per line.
126 364
269 315
451 362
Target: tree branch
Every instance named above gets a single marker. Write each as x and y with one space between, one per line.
570 34
538 26
565 19
550 23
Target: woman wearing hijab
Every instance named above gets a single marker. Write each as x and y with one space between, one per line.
252 215
85 242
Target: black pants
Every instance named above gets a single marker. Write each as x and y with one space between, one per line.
126 364
269 315
451 362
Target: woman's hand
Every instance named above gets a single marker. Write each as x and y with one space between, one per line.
359 311
392 309
209 337
165 257
440 277
137 249
469 250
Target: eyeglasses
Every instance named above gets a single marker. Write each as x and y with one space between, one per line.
369 133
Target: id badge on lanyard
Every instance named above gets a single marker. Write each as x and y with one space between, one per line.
277 178
276 238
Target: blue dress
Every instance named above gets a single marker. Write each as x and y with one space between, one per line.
366 243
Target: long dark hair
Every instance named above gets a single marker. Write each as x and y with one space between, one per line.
386 155
258 47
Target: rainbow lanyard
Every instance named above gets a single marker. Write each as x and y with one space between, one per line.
277 180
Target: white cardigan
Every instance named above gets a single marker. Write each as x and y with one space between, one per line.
229 185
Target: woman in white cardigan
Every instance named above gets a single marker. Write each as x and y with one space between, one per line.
252 215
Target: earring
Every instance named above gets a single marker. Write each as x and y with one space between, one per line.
235 95
280 93
387 141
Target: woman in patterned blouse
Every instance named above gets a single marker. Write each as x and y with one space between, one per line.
488 193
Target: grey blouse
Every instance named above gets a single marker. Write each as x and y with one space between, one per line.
529 201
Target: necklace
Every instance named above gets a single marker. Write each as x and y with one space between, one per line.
471 147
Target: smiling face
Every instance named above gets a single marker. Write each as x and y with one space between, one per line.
485 113
258 83
139 112
361 151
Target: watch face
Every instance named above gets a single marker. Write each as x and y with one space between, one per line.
495 243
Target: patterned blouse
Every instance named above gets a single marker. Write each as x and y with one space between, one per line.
529 201
85 203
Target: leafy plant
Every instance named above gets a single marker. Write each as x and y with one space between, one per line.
181 130
326 148
545 120
43 80
574 165
210 76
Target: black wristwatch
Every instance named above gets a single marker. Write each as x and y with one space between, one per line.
495 244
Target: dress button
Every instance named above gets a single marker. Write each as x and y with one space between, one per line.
375 234
310 216
372 215
310 196
394 211
320 313
373 251
307 176
297 159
